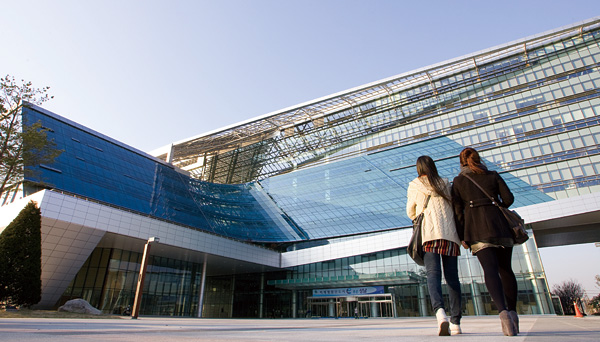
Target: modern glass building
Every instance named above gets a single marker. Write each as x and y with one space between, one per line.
301 212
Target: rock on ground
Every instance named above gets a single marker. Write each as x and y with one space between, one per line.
79 306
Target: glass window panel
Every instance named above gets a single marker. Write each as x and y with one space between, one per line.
534 179
577 171
565 174
577 142
588 140
577 115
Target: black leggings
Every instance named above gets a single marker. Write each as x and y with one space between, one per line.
499 277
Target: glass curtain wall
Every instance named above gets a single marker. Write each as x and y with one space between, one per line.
410 293
108 279
537 79
248 296
534 117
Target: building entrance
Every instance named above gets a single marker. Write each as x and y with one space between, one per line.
381 305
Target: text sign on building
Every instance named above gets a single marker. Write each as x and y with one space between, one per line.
348 291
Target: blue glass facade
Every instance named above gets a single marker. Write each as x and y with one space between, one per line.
356 195
96 167
368 193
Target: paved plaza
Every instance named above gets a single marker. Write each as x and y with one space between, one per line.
161 329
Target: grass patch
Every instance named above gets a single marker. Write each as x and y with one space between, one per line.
27 313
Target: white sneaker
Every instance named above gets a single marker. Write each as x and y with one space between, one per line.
443 324
455 329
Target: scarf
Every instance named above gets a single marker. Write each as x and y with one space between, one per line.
465 169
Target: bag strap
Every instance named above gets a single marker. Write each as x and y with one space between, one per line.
426 202
502 209
491 198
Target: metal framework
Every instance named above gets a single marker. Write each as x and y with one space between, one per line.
302 135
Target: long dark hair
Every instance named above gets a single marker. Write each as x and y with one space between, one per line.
426 167
470 157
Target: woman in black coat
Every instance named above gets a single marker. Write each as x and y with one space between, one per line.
482 228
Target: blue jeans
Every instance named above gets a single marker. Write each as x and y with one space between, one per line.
433 265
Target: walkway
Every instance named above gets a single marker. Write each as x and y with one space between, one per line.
154 329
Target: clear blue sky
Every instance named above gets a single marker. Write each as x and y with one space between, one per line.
149 73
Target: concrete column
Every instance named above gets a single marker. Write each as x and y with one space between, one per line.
294 303
232 296
422 300
331 308
374 309
545 304
536 294
477 301
202 286
475 293
262 295
534 283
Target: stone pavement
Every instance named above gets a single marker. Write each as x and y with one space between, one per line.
161 329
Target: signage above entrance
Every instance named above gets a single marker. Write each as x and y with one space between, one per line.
348 291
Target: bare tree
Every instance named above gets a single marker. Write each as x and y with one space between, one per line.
21 143
568 291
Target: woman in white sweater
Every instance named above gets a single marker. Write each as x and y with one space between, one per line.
440 241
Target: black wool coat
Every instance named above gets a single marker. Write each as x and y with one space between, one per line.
477 218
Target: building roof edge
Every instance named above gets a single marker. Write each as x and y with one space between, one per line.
93 132
161 149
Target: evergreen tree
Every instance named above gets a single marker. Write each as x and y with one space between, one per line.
21 258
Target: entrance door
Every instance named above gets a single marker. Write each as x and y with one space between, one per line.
368 306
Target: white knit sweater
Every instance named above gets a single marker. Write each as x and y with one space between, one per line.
438 222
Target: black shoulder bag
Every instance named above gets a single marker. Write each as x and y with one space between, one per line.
415 246
516 223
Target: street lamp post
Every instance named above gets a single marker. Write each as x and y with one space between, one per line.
140 284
